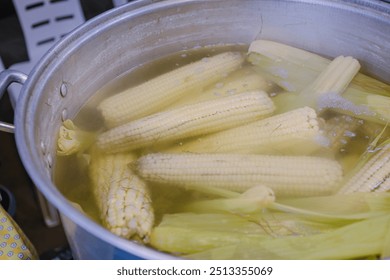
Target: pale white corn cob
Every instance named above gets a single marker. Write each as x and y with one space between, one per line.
332 81
326 88
340 130
72 140
373 176
285 175
337 75
191 120
293 69
242 80
294 132
155 94
310 64
122 197
277 51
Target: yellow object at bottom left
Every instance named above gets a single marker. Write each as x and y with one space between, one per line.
14 245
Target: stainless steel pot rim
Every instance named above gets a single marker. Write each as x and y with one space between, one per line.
24 130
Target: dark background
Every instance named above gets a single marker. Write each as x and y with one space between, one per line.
28 215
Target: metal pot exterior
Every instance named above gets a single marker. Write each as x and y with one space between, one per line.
121 39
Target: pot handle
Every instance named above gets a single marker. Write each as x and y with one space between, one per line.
7 77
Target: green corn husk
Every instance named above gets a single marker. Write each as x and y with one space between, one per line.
253 200
354 206
356 240
323 222
186 233
385 253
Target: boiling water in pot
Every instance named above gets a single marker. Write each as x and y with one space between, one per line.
208 196
71 179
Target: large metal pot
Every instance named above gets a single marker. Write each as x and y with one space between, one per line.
123 38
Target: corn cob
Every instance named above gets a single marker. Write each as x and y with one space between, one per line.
122 197
373 176
332 81
295 56
157 93
187 121
242 80
294 132
293 69
285 175
307 64
296 67
72 140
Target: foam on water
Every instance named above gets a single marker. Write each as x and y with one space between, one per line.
333 100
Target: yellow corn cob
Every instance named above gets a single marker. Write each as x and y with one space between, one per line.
294 132
157 93
242 80
187 121
285 175
373 176
122 197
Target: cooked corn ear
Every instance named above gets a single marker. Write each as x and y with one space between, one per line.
285 175
73 140
373 176
242 80
294 56
155 94
122 197
332 81
326 89
293 69
297 66
191 120
293 132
